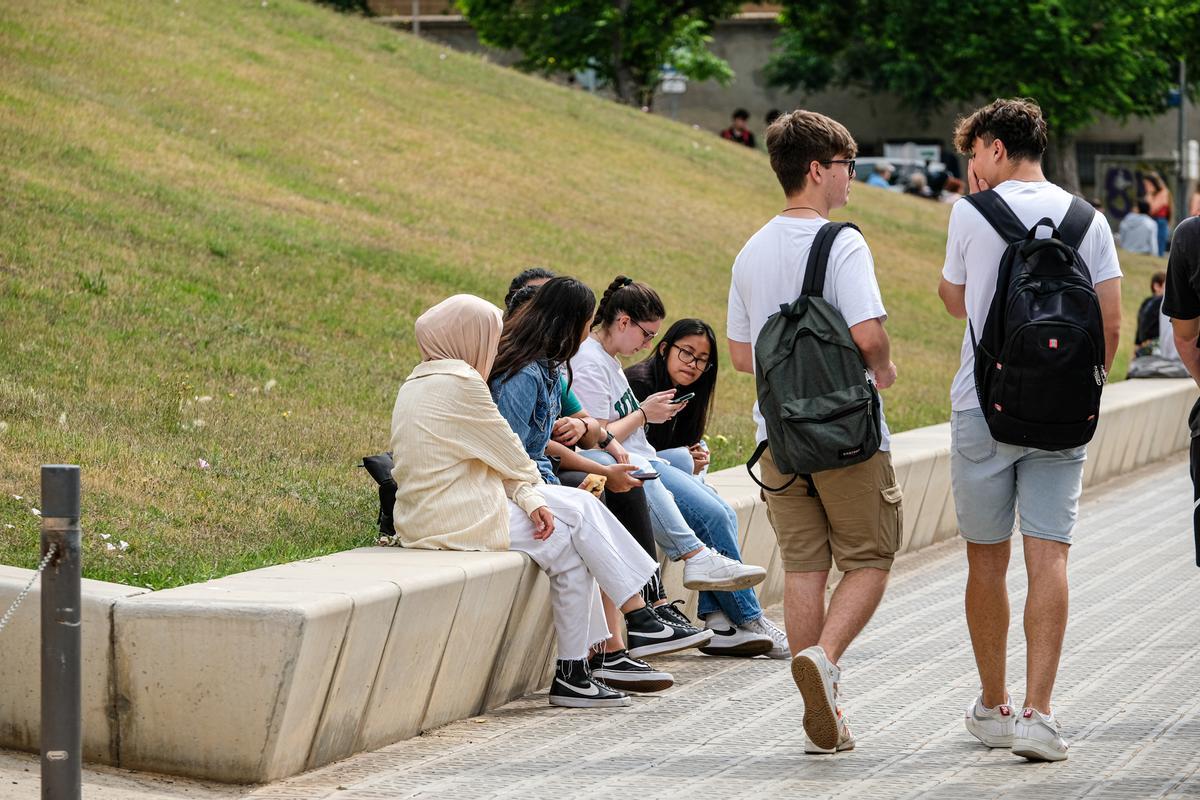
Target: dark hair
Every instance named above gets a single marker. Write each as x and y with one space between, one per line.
548 327
1158 279
1017 122
773 115
650 375
517 299
523 278
1143 206
1155 181
798 138
626 296
741 113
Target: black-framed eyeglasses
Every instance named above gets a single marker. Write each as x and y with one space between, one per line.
849 162
688 357
646 335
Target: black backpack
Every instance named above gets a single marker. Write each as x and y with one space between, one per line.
1039 362
379 467
820 409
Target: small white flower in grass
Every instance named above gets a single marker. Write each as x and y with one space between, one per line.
198 423
442 56
18 497
9 527
269 385
62 418
201 463
106 536
110 546
3 426
37 512
204 399
124 545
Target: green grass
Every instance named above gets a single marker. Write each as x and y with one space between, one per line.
201 199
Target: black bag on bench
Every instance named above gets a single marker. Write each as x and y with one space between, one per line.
380 468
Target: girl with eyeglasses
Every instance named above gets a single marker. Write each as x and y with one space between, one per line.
690 522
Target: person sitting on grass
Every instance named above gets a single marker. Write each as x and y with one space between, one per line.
685 362
537 341
688 522
464 482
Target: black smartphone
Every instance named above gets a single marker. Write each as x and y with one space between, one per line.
683 398
644 476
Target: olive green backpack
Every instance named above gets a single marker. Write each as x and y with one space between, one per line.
821 410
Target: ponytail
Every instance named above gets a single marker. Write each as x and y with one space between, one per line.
627 296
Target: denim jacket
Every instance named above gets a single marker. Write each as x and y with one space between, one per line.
530 400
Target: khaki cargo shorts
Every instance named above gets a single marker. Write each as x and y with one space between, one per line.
856 519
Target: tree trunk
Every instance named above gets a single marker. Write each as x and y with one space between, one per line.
1064 166
623 83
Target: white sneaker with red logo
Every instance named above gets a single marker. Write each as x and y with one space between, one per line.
1038 737
845 739
992 726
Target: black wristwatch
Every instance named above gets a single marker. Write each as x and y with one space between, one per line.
607 440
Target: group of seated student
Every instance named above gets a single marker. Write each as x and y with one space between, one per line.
498 410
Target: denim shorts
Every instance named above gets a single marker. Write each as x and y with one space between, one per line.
994 482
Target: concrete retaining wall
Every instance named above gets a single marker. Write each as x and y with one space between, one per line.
260 675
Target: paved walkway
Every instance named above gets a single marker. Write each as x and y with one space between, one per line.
1129 698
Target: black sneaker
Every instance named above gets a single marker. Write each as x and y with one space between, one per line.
622 671
670 614
573 687
651 636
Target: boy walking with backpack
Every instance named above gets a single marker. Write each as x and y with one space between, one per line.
831 490
1034 271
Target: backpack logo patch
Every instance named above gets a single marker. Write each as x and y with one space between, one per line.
850 452
1054 344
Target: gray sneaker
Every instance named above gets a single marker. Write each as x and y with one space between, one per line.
1038 737
708 570
764 626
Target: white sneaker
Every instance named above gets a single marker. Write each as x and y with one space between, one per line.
764 626
845 739
1038 737
710 571
731 640
817 678
992 726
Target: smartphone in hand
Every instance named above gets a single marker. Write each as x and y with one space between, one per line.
646 475
683 398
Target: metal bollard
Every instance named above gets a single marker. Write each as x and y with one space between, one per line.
62 724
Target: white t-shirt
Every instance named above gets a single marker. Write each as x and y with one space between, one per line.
601 386
770 272
974 250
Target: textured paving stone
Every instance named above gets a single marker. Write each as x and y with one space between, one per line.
1128 696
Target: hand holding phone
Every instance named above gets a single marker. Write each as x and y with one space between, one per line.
683 398
644 475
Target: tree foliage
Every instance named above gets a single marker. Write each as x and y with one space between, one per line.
626 42
1076 58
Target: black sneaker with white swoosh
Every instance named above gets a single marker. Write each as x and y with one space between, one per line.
622 671
650 635
574 687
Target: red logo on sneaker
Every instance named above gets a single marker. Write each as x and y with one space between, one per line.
1028 713
1054 344
1005 711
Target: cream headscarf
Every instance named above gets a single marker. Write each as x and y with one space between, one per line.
463 327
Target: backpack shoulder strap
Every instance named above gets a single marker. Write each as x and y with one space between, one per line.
998 215
818 257
1077 222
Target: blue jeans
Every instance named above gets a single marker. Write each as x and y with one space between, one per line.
717 526
679 458
1164 233
671 531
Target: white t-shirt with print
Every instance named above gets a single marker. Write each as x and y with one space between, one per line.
974 250
769 272
601 386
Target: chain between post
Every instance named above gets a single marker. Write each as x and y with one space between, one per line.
53 548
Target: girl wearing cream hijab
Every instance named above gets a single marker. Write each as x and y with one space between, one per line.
464 482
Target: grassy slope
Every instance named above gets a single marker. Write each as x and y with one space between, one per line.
202 197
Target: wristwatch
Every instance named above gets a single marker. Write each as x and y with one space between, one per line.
607 440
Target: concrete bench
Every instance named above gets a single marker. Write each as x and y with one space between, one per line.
263 674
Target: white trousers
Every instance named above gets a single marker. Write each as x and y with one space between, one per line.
588 546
